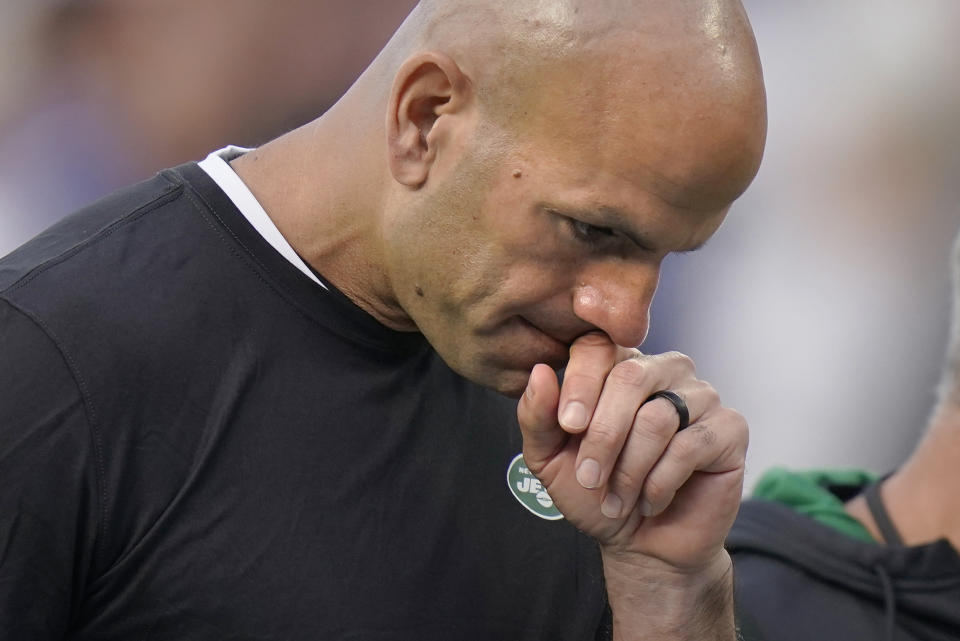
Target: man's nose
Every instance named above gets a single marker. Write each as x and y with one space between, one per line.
618 303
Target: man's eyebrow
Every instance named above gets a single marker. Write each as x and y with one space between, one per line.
614 218
605 216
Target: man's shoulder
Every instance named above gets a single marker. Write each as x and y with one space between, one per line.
797 520
124 273
118 258
800 573
88 226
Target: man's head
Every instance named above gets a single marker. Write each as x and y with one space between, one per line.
543 158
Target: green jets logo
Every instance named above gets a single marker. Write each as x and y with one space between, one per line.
529 491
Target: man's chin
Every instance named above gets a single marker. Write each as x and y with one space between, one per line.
510 382
510 387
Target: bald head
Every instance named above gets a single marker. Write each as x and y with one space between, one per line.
509 49
690 65
506 33
508 175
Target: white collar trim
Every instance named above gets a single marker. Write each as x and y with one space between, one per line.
227 179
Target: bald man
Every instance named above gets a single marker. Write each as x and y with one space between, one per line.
844 555
272 395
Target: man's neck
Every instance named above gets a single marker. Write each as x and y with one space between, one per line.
323 202
921 497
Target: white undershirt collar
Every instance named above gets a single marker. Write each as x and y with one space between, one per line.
227 179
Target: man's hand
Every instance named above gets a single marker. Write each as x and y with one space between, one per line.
659 501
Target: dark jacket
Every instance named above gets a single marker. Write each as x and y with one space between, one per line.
798 579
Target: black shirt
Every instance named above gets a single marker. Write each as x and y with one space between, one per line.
197 442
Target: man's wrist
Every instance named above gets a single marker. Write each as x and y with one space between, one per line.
651 600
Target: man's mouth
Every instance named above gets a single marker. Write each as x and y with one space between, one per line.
557 350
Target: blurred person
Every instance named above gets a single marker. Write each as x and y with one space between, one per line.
257 397
98 93
840 554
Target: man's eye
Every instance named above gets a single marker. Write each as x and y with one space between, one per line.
590 233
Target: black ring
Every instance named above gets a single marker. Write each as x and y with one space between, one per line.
678 404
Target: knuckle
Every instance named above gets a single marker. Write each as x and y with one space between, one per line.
709 392
739 432
734 422
532 416
535 465
655 492
734 455
603 432
682 361
736 417
652 431
705 437
683 450
626 482
629 373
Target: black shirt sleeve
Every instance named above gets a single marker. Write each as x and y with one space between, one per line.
48 494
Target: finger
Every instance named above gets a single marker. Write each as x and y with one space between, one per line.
716 445
653 427
592 356
628 385
537 415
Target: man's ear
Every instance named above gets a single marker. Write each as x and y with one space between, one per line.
427 87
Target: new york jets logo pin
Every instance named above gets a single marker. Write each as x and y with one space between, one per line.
529 491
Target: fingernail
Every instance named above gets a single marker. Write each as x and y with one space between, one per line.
645 508
529 391
574 416
611 506
588 474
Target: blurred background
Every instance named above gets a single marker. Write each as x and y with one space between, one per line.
820 310
95 94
